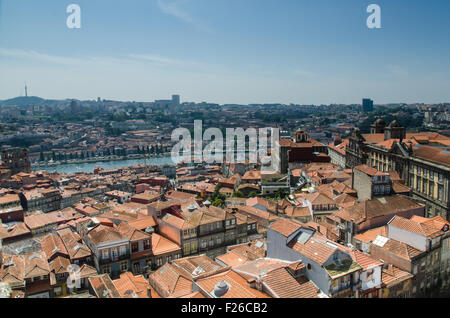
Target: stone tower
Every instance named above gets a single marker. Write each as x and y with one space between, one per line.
378 127
16 159
394 131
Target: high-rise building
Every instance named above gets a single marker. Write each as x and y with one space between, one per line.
367 105
176 100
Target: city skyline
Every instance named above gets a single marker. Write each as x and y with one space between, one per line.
233 52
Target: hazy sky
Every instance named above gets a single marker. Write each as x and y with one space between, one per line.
227 51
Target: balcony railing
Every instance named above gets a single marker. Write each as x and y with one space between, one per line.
114 259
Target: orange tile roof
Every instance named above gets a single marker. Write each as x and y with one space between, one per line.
371 235
434 154
394 275
238 287
161 245
364 260
377 207
285 227
129 285
103 286
143 223
422 228
18 229
371 171
232 259
284 285
170 280
401 249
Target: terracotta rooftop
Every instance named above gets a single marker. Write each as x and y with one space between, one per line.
377 207
285 227
103 286
424 228
130 286
237 286
284 285
371 235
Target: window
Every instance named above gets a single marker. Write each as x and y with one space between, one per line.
134 247
147 245
107 269
137 267
122 250
57 291
411 181
105 254
124 266
194 247
187 249
218 241
440 192
370 275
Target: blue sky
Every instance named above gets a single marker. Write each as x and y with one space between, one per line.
227 51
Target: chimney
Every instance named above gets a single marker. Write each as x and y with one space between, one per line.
149 292
252 282
220 289
1 252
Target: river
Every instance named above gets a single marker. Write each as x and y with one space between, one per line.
89 167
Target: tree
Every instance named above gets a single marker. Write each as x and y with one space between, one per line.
253 194
238 194
218 203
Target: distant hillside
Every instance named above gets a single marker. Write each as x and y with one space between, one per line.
23 101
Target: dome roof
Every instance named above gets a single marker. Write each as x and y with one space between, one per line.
380 122
394 123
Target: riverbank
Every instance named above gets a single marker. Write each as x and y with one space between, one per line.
97 159
113 162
